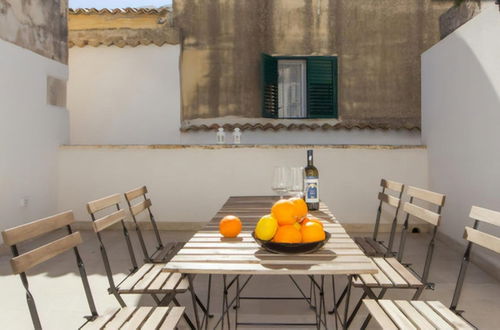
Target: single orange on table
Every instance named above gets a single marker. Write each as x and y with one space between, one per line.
300 208
308 219
287 234
312 232
284 211
230 226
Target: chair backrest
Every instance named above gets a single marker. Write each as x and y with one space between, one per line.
475 236
21 262
392 201
114 214
431 217
140 207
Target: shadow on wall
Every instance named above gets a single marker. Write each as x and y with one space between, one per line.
461 123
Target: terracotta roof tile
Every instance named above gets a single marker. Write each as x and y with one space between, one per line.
128 10
280 126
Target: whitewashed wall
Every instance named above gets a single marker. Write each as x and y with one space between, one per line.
131 95
189 184
127 95
30 134
461 120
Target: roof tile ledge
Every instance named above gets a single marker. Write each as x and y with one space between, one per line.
265 124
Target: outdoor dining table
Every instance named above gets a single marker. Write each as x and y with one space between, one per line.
208 252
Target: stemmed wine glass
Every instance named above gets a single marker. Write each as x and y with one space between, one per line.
296 188
281 180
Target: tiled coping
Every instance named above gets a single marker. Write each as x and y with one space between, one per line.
242 146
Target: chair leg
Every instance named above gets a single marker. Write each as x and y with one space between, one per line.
356 308
418 293
193 297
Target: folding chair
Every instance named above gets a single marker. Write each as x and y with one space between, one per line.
392 274
433 314
163 252
131 317
371 246
149 279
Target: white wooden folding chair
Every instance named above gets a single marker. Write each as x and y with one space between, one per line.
163 252
130 317
372 246
401 314
149 279
392 274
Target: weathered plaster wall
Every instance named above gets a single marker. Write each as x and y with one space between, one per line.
37 25
378 43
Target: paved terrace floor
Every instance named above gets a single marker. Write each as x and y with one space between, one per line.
61 302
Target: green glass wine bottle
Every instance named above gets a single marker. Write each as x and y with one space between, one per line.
311 183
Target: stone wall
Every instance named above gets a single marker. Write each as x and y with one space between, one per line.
37 25
378 43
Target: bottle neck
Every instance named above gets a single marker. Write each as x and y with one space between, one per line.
310 159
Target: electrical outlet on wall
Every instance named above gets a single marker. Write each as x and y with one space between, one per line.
23 202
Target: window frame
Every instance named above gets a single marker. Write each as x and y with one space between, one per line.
335 84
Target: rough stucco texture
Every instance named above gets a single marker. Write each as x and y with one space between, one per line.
38 25
378 43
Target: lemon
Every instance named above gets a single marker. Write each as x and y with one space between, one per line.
266 228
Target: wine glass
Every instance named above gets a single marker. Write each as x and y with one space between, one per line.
280 180
296 181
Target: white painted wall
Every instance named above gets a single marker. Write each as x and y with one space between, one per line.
131 95
30 134
191 183
461 120
127 95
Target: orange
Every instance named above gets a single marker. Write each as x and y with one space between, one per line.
312 232
230 226
287 234
306 220
297 225
300 208
284 211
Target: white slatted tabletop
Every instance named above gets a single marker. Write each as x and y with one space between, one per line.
207 252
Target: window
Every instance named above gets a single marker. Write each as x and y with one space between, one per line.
299 87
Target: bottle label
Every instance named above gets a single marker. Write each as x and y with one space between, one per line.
312 189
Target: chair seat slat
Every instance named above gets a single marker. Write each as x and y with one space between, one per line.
139 317
391 273
379 315
449 316
149 277
418 319
100 321
156 318
120 318
404 272
430 315
172 318
396 315
130 281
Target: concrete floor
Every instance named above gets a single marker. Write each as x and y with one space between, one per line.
61 301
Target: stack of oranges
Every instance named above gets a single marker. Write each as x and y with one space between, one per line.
289 223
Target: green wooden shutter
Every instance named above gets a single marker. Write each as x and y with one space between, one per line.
269 86
322 87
